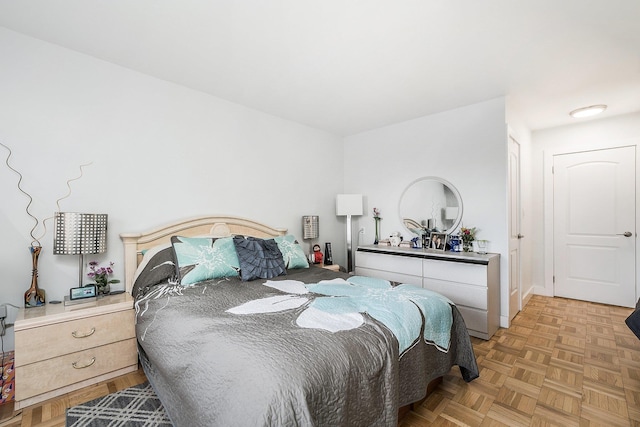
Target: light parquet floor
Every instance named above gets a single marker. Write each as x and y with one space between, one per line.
52 413
561 363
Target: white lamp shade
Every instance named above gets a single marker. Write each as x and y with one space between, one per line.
348 204
450 212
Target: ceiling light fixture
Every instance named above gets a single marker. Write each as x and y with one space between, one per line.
588 111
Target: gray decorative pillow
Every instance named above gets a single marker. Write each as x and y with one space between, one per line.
259 258
292 253
204 258
157 267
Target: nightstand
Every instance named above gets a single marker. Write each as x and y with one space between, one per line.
334 267
61 348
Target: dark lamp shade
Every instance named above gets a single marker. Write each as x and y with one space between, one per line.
79 233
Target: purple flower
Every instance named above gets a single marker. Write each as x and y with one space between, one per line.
100 275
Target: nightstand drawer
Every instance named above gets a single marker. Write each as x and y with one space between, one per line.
51 374
46 342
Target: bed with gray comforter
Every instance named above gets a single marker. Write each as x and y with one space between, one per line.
309 348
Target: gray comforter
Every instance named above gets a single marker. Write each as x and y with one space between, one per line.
213 366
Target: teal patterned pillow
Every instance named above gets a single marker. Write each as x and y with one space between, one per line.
204 258
292 253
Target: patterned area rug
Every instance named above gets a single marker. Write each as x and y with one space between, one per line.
134 406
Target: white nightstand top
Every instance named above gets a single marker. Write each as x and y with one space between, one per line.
334 267
53 313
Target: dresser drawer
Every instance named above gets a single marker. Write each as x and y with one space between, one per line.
51 374
45 342
473 274
476 321
460 293
398 264
391 276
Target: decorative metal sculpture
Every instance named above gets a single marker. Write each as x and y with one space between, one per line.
34 297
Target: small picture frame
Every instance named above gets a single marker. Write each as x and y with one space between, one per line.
455 243
438 241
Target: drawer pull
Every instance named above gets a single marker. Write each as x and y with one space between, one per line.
75 364
76 335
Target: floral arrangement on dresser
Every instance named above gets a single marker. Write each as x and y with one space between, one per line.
467 235
376 219
101 276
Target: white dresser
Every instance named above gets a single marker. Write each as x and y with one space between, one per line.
470 280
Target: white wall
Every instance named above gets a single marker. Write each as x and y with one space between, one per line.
159 151
617 131
466 146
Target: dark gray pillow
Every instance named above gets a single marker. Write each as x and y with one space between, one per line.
160 267
259 258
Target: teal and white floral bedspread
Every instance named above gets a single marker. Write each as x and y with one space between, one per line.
339 305
313 347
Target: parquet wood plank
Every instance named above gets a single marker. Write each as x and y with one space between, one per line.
567 403
603 376
537 355
594 416
508 416
431 408
459 414
564 380
546 415
542 341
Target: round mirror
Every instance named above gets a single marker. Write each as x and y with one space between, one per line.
430 203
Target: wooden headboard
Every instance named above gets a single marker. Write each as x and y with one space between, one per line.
214 225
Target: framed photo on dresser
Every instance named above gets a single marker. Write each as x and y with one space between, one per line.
438 241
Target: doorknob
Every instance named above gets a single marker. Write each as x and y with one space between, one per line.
625 234
520 236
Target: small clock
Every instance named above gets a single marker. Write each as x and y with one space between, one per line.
88 291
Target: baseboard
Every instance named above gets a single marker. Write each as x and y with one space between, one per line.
541 290
504 321
527 297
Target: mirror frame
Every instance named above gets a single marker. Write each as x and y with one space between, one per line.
451 187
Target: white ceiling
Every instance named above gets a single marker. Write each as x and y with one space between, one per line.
348 66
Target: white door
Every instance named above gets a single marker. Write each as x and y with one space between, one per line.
514 228
594 226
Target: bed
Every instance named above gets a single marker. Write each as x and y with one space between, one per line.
262 339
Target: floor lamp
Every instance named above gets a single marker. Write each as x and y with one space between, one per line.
349 205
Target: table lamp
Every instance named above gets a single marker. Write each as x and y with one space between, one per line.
79 234
310 231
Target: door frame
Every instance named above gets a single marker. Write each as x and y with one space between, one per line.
518 213
547 225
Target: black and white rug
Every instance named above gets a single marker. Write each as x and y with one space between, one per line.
134 406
